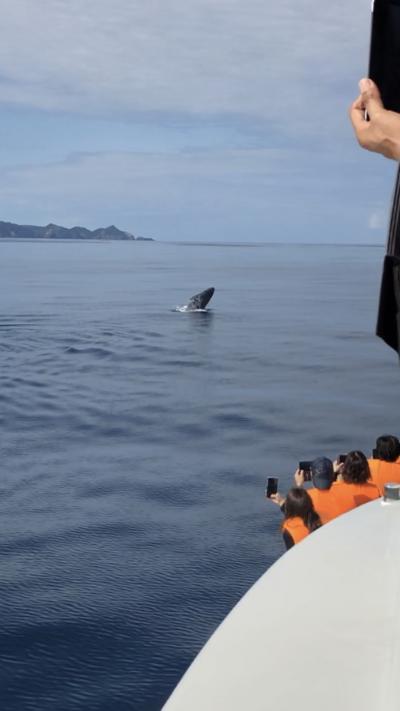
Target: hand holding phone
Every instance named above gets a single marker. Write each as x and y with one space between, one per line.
379 99
271 486
298 477
305 468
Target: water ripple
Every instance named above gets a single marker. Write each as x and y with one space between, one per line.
135 446
96 352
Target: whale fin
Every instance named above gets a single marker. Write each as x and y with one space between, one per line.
200 301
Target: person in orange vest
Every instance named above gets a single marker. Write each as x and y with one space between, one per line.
321 493
300 518
354 487
385 465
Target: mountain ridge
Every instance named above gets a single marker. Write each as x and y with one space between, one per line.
11 230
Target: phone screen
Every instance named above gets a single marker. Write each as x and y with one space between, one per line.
384 58
341 458
271 486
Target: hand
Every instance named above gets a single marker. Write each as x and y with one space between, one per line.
299 477
337 466
277 499
381 133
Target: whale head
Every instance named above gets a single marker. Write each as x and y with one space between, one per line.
200 301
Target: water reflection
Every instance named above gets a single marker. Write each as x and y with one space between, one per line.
200 320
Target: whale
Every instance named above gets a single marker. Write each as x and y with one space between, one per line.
198 302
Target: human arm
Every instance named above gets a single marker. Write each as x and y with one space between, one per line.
299 477
277 499
338 468
381 133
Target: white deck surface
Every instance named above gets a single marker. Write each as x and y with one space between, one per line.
320 630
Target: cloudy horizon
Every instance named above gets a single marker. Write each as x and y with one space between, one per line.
211 120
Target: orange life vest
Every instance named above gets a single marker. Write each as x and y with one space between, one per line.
349 496
382 472
296 528
325 503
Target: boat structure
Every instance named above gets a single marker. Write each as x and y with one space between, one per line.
319 630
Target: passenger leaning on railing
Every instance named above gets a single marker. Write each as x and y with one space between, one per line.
354 486
385 465
305 510
300 519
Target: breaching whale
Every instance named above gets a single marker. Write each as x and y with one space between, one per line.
198 302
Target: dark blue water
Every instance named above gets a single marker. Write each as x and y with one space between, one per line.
135 442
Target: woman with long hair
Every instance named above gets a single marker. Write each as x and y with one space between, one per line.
300 518
355 486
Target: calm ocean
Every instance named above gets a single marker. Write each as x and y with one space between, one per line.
135 443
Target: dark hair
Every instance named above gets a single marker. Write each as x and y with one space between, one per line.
387 448
355 468
299 503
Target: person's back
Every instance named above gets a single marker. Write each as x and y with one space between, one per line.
355 488
325 503
294 530
350 495
383 472
385 465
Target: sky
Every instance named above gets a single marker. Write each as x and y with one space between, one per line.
189 120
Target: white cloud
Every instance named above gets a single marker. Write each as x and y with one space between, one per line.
283 61
240 194
289 66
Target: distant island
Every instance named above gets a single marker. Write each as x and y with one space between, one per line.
9 230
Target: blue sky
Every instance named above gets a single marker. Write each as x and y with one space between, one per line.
197 120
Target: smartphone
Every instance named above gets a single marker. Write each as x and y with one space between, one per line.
305 467
341 458
384 56
271 486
